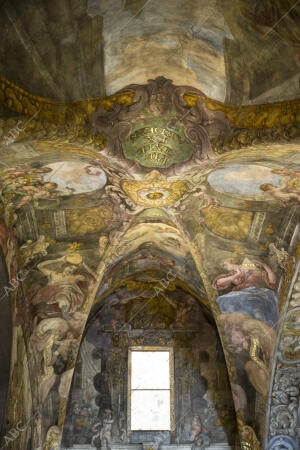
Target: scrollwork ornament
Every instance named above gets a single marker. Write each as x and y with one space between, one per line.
176 131
282 442
285 396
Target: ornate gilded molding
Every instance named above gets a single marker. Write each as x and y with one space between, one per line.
249 439
252 116
228 223
246 137
155 191
245 116
24 103
284 397
209 125
158 130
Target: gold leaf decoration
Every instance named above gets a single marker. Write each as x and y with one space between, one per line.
154 193
228 223
88 221
252 116
74 246
27 104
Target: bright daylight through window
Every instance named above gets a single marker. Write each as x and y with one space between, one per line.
150 388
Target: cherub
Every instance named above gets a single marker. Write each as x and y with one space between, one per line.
197 435
196 428
65 273
31 249
285 195
122 427
35 192
104 434
208 200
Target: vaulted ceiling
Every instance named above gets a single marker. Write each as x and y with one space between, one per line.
142 145
231 50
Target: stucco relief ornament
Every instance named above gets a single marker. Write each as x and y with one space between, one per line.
155 190
53 438
285 401
290 343
159 129
283 443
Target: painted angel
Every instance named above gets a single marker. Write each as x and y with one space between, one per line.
247 274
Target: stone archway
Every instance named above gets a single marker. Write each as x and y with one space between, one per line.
137 314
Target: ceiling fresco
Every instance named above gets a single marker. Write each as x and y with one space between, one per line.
163 214
134 223
230 49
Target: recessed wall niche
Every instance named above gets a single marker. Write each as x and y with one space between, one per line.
201 409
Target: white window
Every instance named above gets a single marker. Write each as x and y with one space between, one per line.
150 389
